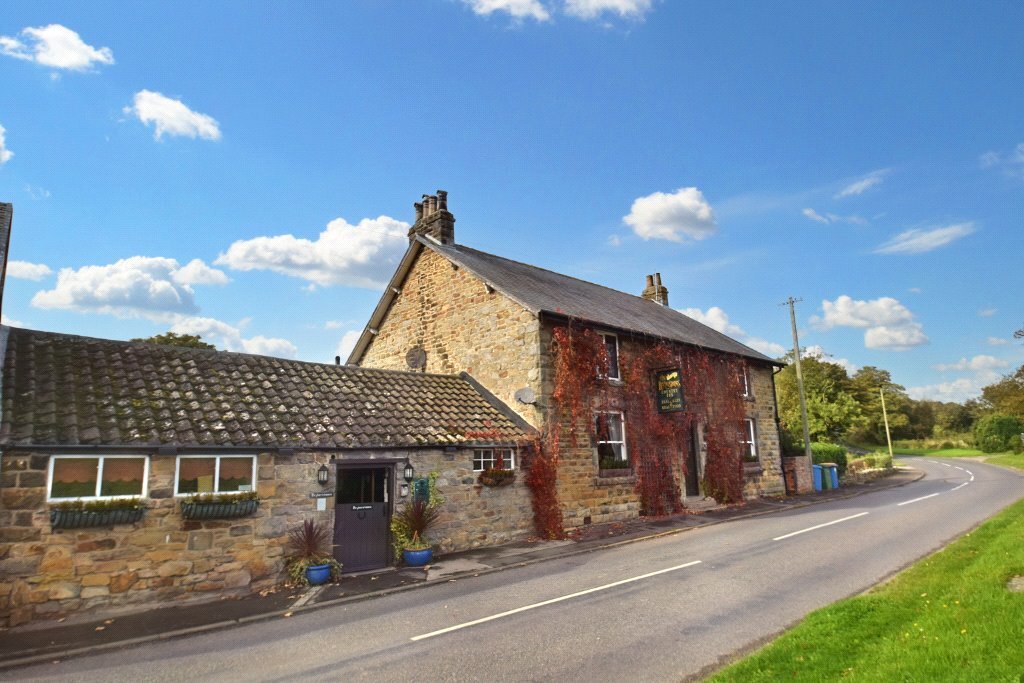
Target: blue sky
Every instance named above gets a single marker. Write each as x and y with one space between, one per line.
247 170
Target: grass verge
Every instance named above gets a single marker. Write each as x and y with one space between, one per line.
940 453
950 617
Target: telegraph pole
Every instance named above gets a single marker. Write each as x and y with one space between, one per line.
799 376
885 416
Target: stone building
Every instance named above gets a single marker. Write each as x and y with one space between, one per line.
450 308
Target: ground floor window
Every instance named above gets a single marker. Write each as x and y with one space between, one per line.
214 474
493 458
101 476
611 441
748 440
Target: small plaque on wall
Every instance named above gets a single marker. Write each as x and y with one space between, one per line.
669 386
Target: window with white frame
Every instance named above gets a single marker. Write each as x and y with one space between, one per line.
611 441
745 381
611 347
493 458
748 441
214 474
97 476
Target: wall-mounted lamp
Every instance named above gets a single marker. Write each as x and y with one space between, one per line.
408 472
322 475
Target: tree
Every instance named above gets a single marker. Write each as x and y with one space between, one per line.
192 341
996 433
1006 396
865 385
953 418
832 410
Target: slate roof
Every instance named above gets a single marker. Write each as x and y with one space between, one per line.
68 390
544 291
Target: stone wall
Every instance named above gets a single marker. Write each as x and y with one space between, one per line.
448 311
163 558
761 408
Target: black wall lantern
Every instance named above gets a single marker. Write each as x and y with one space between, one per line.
407 472
322 475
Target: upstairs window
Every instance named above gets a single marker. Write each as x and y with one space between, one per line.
104 476
611 441
611 347
748 441
214 474
493 458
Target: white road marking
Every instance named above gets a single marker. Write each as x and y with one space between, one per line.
960 486
552 601
819 526
908 502
959 468
945 464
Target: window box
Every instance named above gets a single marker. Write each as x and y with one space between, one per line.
79 516
494 477
212 509
616 472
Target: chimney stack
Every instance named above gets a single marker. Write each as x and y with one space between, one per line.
434 219
655 291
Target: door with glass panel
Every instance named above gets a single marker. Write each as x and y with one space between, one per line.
362 515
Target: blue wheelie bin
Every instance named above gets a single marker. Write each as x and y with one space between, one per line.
817 477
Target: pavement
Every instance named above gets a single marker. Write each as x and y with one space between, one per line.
47 641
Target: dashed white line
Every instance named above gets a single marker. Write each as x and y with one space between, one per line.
959 468
908 502
552 601
960 486
945 464
819 526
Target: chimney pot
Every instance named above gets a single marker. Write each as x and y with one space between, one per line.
442 200
419 210
650 280
657 279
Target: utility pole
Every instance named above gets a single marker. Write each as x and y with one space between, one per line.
885 417
799 376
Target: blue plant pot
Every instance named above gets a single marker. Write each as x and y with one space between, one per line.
318 574
417 558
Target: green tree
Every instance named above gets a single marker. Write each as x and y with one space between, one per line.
997 433
953 418
832 410
1005 396
865 385
193 341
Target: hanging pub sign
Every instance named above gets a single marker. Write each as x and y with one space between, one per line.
670 390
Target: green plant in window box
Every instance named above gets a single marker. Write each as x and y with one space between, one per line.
309 554
613 466
494 476
220 505
77 514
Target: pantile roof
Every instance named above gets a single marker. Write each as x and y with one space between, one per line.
66 390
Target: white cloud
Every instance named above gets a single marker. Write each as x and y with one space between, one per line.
55 46
915 290
347 343
23 270
518 9
172 117
987 312
919 241
1011 163
614 240
333 325
140 286
10 322
230 337
976 364
830 218
675 217
35 193
888 324
717 319
997 341
195 272
5 154
592 9
956 391
360 255
816 351
864 184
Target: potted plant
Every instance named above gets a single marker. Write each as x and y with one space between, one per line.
417 517
79 514
310 562
494 476
220 506
612 467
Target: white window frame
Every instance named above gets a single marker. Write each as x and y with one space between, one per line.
216 473
622 423
750 432
509 457
607 372
99 476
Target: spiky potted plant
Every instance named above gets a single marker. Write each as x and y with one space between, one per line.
309 558
417 517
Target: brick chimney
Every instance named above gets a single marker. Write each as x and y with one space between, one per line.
655 291
6 216
434 219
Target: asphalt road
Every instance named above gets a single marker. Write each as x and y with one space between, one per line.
659 610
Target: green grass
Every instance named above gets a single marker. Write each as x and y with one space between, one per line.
939 453
1014 460
947 618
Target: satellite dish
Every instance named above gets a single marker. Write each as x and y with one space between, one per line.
416 358
526 395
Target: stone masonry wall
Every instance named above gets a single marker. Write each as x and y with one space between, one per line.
463 328
162 558
761 407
